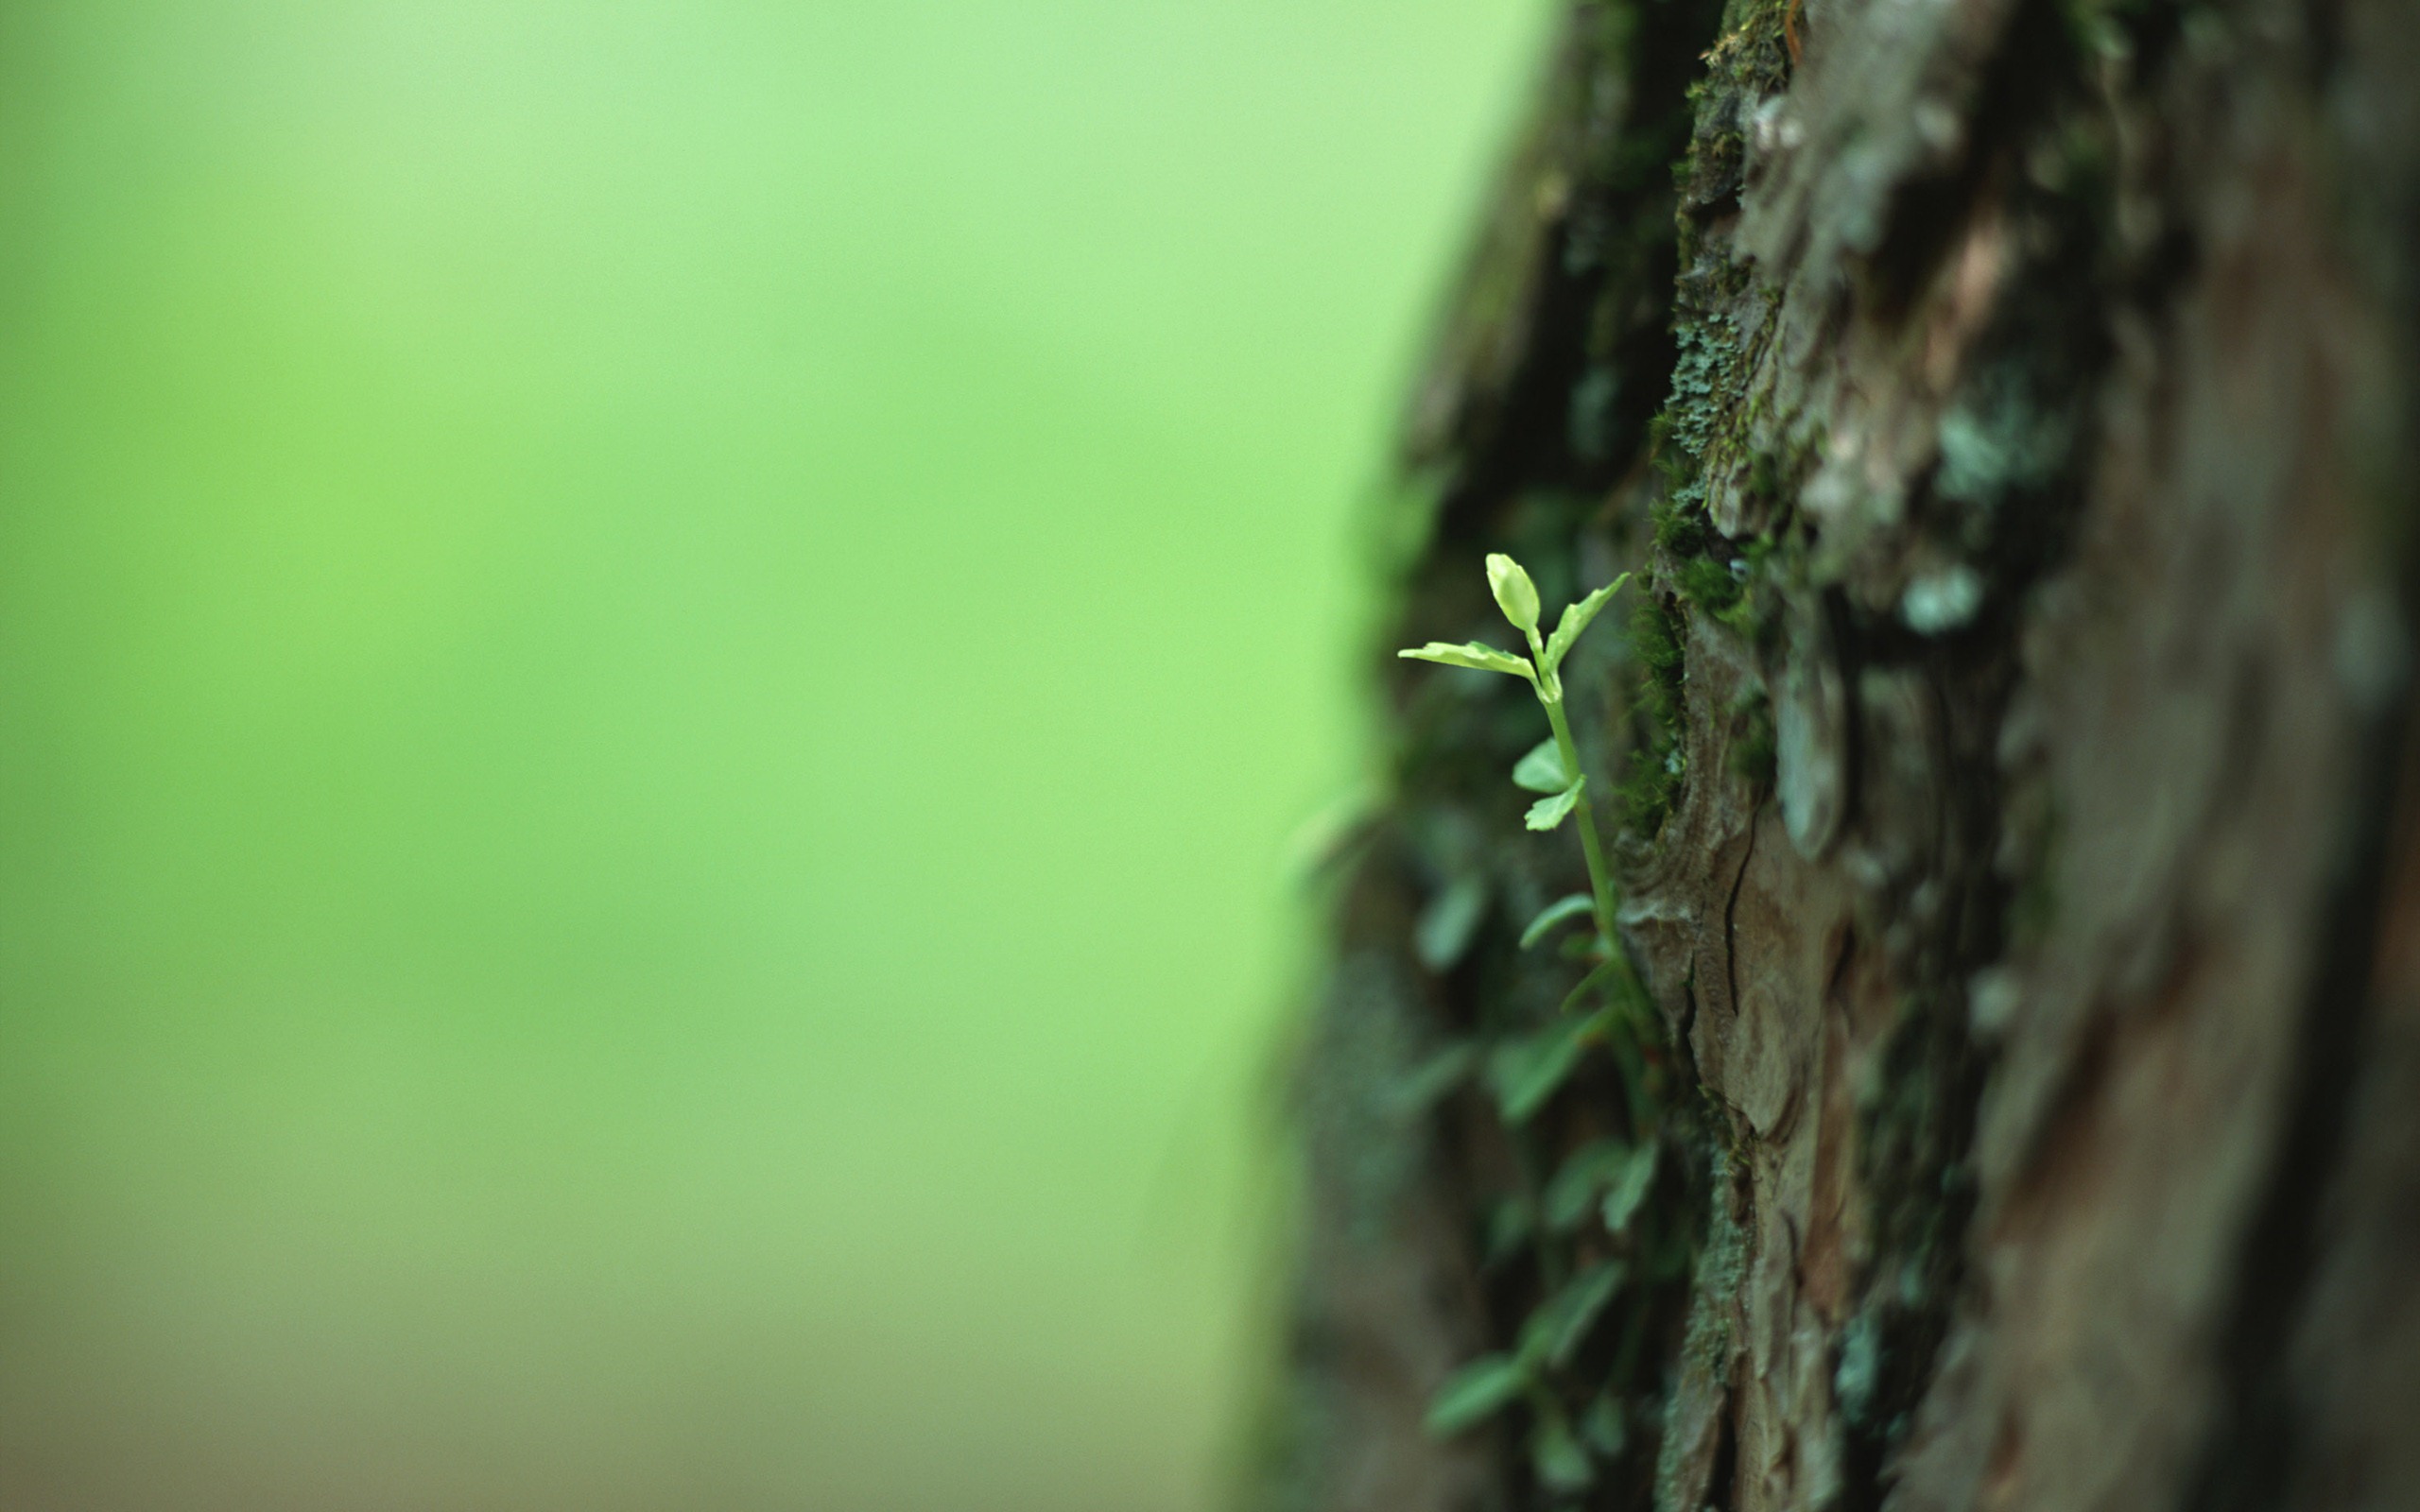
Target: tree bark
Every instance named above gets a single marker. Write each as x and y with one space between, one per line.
2008 407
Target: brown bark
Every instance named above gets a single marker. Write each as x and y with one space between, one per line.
2009 406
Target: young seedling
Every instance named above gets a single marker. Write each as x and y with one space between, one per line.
1608 1180
1604 1184
1553 767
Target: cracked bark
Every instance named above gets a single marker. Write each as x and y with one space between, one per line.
2010 406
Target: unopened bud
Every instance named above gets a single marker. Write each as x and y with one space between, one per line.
1514 594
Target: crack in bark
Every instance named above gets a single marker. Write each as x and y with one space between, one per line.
2249 1455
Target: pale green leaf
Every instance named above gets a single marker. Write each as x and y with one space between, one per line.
1555 912
1630 1189
1332 832
1583 1175
1575 619
1509 1228
1474 656
1560 1326
1587 985
1541 770
1562 1465
1476 1393
1524 1072
1549 812
1447 925
1433 1078
1605 1426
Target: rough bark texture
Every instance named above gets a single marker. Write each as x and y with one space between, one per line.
2009 406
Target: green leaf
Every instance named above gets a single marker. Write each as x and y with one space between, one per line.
1549 812
1541 770
1605 1427
1587 984
1562 1465
1560 1326
1584 1173
1555 912
1509 1228
1331 832
1514 594
1524 1072
1434 1078
1474 656
1575 619
1630 1189
1447 925
1476 1393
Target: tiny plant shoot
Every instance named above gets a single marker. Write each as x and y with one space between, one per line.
1612 1276
1553 767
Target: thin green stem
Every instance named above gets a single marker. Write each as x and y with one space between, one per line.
1600 879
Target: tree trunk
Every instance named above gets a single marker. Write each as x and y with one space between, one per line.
2007 407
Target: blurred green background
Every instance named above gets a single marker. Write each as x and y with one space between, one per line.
655 658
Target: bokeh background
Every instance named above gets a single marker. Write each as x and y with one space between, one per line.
656 657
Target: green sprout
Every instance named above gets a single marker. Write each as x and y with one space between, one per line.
1602 1186
1553 767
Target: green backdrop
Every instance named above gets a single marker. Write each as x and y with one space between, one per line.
655 660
